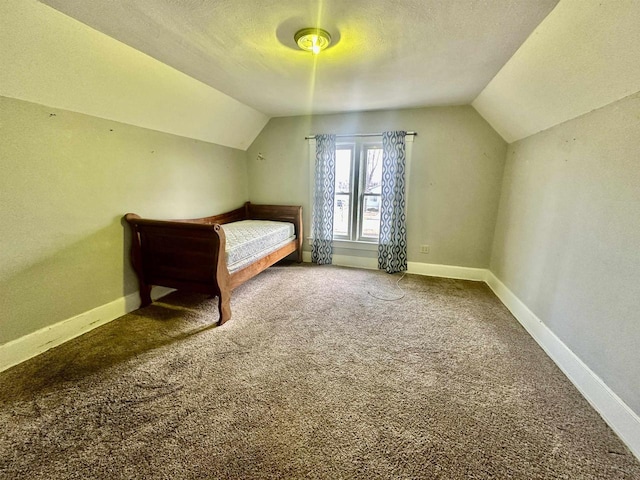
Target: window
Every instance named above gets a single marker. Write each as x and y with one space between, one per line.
358 187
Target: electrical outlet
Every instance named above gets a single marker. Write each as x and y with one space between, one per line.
424 248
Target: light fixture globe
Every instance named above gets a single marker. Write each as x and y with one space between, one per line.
312 39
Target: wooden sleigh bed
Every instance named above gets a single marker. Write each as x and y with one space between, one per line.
192 254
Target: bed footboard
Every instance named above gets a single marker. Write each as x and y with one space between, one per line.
180 255
190 254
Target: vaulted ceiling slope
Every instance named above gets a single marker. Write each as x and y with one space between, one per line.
51 59
386 54
216 71
583 56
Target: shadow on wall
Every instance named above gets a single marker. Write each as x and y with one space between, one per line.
129 280
63 280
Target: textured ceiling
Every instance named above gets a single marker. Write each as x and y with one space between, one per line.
51 59
387 53
584 56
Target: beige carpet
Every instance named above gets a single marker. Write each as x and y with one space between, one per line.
312 378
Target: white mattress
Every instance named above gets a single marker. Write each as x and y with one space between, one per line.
250 240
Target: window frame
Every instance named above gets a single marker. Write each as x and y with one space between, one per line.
350 245
351 193
364 156
359 149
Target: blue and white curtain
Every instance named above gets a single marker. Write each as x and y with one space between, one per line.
392 249
325 184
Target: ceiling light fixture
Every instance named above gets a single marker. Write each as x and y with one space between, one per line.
312 39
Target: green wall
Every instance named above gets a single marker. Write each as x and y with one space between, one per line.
567 239
454 179
67 180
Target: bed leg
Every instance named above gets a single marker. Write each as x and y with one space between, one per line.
145 295
224 306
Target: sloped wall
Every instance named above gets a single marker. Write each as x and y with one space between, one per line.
583 56
68 178
567 239
51 59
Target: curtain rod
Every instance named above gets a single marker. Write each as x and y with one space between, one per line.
311 137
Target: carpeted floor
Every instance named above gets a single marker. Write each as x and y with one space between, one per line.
312 378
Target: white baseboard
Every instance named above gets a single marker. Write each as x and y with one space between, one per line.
348 261
447 271
611 408
24 348
622 420
418 268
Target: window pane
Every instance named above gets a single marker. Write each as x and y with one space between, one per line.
373 171
343 170
341 215
371 216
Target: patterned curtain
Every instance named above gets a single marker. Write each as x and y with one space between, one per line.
392 249
325 180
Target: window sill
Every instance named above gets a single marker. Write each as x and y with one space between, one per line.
353 245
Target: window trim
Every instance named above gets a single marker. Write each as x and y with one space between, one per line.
354 244
352 190
359 148
359 219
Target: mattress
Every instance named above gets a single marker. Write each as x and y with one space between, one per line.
250 240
